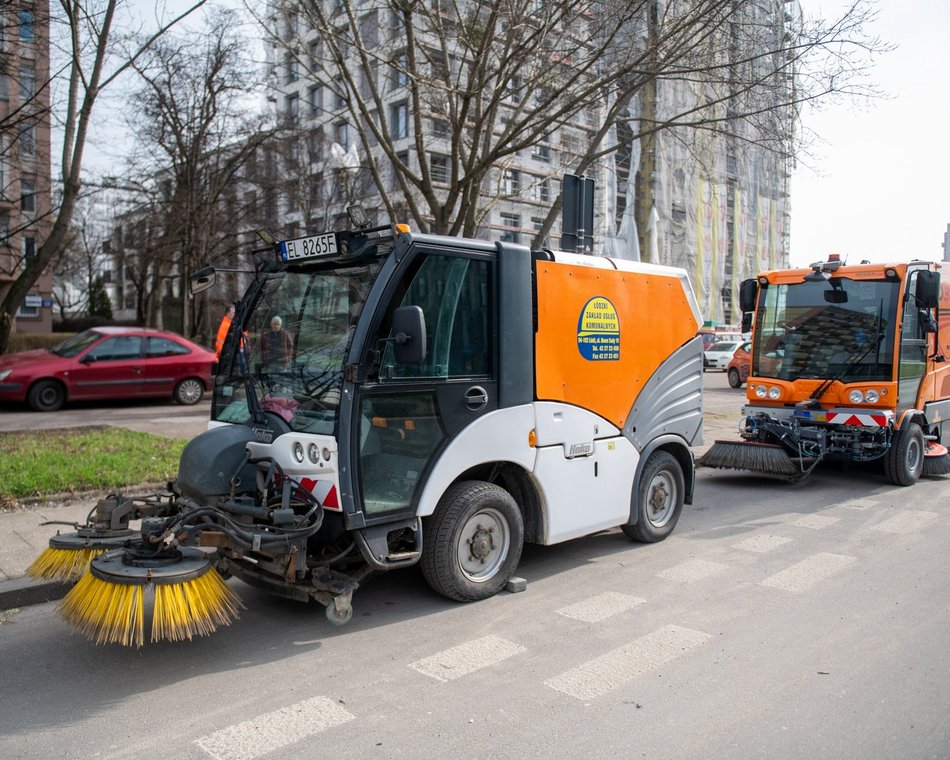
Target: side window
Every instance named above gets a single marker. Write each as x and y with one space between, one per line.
115 349
455 296
164 347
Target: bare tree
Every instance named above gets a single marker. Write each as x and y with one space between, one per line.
93 65
443 95
195 140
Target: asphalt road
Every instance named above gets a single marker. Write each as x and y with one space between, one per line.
778 621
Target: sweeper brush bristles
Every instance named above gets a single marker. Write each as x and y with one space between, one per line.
107 613
194 608
65 565
765 458
936 465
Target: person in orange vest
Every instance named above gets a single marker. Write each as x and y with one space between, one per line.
223 330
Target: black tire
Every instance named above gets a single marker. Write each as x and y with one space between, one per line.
659 499
904 461
472 542
46 396
189 391
734 380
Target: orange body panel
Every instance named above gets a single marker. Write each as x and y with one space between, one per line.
602 333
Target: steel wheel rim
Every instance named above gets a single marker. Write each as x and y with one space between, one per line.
914 455
661 498
483 545
49 395
190 391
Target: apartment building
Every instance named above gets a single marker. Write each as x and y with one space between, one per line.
25 181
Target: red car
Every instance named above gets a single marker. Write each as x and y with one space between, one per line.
738 368
108 363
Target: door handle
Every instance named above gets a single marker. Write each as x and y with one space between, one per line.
476 397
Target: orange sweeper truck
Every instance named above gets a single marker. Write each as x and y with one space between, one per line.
436 400
849 363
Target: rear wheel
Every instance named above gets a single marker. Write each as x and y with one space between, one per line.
46 396
660 499
904 461
734 380
189 391
472 542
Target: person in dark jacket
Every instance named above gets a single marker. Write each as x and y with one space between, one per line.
277 346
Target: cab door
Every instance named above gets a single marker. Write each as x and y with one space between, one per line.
913 350
409 412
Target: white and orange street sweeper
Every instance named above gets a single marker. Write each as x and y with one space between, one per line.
849 363
386 398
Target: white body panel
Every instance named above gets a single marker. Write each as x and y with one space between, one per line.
583 467
320 477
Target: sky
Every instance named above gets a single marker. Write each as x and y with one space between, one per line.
878 185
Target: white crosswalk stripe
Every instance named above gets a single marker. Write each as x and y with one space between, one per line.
600 607
809 572
273 730
907 522
640 656
815 522
467 658
692 570
761 543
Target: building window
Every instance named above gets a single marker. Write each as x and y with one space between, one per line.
401 158
440 128
291 70
26 25
511 182
28 140
293 107
439 167
313 101
4 87
541 151
313 53
512 224
31 307
341 133
400 71
540 190
29 247
399 121
28 196
27 82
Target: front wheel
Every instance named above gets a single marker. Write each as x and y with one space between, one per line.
904 461
659 499
46 396
472 542
189 391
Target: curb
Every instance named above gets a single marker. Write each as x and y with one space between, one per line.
21 592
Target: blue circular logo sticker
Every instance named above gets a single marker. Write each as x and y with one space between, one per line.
598 331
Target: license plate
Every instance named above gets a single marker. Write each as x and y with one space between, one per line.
309 247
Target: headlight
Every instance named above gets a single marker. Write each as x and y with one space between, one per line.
775 392
872 397
760 391
856 397
298 451
5 373
313 452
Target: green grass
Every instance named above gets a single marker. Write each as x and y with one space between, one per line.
45 462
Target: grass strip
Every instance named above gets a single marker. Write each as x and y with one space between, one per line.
41 463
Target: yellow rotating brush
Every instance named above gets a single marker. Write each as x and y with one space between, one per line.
190 598
69 554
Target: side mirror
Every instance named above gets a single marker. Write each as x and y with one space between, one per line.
748 294
202 280
409 335
88 359
746 321
927 289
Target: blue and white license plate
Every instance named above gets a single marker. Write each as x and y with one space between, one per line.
315 246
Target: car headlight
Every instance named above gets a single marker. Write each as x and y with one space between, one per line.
856 396
760 391
775 392
872 397
5 373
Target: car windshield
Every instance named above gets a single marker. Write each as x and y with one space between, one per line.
723 346
292 348
840 328
76 344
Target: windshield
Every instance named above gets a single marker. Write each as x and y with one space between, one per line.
839 328
293 346
76 344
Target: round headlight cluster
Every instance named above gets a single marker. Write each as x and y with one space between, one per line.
298 451
857 396
313 452
772 392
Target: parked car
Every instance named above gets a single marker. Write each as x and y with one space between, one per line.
108 363
738 368
717 356
715 337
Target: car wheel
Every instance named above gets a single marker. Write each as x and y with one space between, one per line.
660 499
472 542
189 391
46 396
734 380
